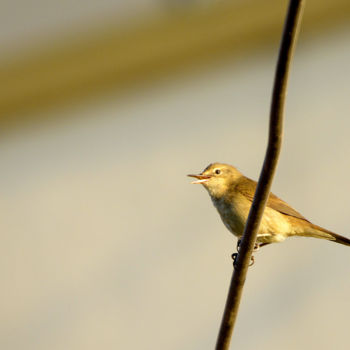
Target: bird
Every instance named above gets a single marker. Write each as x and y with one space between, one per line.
232 194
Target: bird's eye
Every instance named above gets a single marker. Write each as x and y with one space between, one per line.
217 171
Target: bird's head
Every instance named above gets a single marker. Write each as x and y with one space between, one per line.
217 178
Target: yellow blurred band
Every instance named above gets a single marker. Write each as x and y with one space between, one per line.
117 58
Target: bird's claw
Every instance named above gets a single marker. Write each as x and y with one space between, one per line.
234 257
252 260
256 246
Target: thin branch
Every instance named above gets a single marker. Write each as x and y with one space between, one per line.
291 28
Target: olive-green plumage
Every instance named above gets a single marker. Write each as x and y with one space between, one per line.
232 194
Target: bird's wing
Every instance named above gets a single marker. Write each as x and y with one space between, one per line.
247 187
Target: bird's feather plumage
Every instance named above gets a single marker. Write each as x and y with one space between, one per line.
232 194
247 187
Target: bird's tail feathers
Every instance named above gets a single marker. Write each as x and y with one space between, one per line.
320 232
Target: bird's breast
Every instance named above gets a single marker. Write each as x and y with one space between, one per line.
234 213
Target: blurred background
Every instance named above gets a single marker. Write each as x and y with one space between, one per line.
104 108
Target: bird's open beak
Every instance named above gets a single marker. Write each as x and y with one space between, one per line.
201 178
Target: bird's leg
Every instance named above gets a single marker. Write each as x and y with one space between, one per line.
263 244
234 256
256 247
239 241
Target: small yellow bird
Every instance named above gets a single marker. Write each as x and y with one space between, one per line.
232 194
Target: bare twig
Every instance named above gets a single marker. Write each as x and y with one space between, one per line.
270 163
